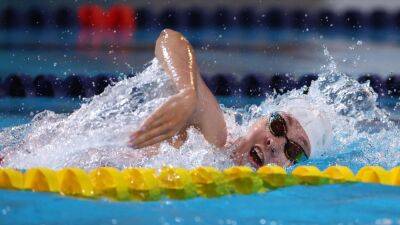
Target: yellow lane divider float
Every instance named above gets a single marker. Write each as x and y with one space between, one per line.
144 184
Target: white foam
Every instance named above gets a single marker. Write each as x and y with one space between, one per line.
97 133
361 130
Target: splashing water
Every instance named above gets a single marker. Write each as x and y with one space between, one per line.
97 133
363 133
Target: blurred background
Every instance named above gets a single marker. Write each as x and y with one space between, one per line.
54 53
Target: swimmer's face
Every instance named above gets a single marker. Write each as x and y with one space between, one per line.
260 146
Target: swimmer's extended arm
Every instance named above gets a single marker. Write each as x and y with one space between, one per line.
193 105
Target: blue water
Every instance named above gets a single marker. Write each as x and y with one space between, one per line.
331 204
17 111
234 51
298 52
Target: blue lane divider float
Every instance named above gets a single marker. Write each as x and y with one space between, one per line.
253 85
36 17
9 18
195 17
64 17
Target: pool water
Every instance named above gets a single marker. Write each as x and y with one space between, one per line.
17 111
234 51
105 122
330 204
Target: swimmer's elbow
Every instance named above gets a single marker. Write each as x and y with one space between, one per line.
169 36
172 40
169 32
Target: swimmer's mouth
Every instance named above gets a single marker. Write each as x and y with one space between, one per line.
256 156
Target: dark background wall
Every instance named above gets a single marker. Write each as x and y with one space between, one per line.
159 4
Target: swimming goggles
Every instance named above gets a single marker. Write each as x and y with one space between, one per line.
293 151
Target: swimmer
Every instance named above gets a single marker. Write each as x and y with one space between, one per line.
283 138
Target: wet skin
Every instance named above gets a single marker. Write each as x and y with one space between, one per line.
267 147
195 106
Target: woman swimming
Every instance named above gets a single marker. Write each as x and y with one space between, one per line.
282 138
177 108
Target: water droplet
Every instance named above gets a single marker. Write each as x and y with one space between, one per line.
197 219
6 210
178 219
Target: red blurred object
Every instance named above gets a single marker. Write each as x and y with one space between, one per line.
121 17
91 16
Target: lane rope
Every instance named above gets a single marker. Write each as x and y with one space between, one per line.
147 184
252 85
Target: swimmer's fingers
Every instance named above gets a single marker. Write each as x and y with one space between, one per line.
155 140
146 127
149 125
165 128
169 118
155 119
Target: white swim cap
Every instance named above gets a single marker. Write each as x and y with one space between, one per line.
314 123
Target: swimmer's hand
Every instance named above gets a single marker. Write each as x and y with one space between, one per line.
166 121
